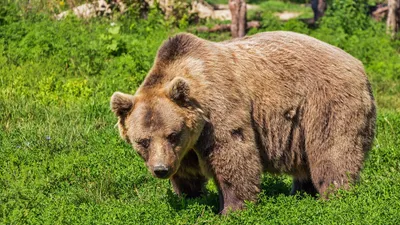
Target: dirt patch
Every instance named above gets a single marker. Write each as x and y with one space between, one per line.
287 15
219 11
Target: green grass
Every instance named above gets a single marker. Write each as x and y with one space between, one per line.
280 6
62 161
271 8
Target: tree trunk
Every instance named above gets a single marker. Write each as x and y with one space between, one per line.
238 11
393 19
318 7
380 12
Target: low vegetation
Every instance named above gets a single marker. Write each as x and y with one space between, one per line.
62 161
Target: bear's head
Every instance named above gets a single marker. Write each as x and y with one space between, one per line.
161 124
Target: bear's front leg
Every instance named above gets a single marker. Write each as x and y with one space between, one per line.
189 180
237 173
191 187
229 197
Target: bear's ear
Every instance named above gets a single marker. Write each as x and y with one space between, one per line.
178 90
121 104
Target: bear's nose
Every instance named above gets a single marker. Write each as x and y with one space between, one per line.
161 171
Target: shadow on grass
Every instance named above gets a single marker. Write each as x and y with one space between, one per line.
209 199
274 186
270 186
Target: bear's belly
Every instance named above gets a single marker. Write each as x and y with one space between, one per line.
280 139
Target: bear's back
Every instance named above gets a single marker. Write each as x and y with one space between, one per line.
291 64
296 53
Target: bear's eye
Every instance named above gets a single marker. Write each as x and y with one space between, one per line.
143 142
173 137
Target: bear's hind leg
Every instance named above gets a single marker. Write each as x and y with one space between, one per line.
335 166
327 177
338 137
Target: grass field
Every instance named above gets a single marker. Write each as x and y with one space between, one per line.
62 161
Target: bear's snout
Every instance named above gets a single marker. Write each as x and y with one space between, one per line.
161 171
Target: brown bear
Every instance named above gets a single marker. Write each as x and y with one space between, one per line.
279 102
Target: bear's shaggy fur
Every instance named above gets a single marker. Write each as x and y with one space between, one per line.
280 102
